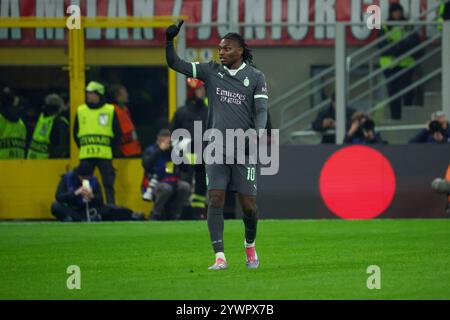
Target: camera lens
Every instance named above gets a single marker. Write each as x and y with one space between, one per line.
369 125
435 126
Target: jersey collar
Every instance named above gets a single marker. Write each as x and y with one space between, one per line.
233 72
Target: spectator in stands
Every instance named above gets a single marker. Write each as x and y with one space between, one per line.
362 130
51 134
13 132
399 43
30 115
196 109
130 145
73 194
325 121
168 191
437 130
443 12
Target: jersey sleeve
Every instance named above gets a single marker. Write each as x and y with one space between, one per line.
261 88
261 99
201 70
191 69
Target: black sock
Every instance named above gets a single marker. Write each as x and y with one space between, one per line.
250 222
215 226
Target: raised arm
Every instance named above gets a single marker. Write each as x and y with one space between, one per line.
172 58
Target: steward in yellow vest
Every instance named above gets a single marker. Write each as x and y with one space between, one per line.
97 133
12 129
443 12
51 135
395 35
398 42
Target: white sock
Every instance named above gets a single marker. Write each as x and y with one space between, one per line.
220 255
251 245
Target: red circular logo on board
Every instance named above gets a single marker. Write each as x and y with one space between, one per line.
357 182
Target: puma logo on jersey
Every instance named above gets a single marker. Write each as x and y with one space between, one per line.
221 74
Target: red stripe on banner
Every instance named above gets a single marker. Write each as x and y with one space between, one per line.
343 10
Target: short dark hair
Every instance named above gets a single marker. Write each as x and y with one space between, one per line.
247 55
163 133
395 7
6 96
115 88
84 169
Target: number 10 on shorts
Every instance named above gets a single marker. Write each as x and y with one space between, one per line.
251 173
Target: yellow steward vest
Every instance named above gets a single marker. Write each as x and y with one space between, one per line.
95 131
396 35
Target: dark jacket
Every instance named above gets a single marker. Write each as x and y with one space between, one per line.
185 116
329 112
425 136
59 139
115 142
154 161
69 183
10 112
447 11
359 139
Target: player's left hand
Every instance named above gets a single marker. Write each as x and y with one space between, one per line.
173 30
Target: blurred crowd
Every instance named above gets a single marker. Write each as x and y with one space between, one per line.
361 128
44 136
103 129
30 132
399 67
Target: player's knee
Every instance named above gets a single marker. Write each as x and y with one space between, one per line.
216 200
249 209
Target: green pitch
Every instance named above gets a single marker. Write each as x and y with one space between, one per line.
325 259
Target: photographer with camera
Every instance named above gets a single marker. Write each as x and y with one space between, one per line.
362 130
162 180
437 131
78 196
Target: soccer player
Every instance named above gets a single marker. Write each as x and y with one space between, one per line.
237 96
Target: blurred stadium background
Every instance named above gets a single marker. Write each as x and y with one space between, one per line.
309 51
